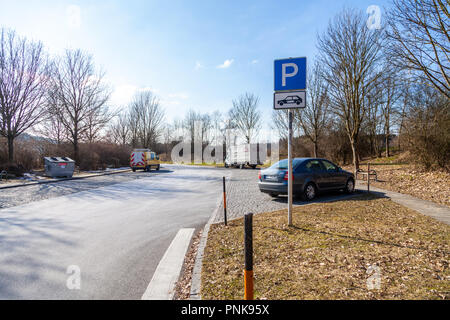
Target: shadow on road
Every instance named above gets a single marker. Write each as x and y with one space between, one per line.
20 235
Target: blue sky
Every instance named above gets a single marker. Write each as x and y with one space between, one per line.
195 54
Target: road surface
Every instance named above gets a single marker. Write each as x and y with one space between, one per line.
113 235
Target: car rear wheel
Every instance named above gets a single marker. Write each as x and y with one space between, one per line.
274 195
350 186
310 192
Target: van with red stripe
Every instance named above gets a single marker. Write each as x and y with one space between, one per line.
144 159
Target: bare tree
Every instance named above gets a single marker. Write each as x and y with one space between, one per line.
120 130
245 116
168 136
427 127
146 117
24 76
52 129
96 121
405 97
315 117
390 94
350 53
373 119
197 126
419 39
78 94
280 122
133 120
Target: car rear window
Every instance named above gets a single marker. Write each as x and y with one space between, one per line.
283 164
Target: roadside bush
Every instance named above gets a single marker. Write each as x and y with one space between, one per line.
427 129
336 147
26 156
100 155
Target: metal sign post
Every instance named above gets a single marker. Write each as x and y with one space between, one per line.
290 173
290 93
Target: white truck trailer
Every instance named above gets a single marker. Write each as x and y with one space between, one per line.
243 155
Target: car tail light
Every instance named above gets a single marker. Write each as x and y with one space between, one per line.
259 176
286 176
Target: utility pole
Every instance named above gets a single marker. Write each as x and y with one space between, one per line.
290 173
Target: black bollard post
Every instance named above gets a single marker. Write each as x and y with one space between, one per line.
248 251
224 202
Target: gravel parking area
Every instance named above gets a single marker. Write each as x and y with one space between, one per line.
243 196
30 193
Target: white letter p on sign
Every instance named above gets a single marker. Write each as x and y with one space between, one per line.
285 75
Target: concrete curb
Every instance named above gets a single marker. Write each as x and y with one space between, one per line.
164 279
196 279
65 179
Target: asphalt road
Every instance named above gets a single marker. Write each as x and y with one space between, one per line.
114 233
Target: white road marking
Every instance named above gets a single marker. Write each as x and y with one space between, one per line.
162 285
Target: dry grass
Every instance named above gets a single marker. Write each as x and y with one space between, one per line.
327 253
426 185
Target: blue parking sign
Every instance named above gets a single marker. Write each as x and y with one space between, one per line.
290 74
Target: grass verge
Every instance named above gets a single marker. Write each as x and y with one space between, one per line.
327 254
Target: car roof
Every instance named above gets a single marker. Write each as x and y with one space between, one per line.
305 159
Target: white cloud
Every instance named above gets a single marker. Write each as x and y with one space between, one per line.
180 95
73 16
173 100
123 94
255 61
198 65
226 64
153 90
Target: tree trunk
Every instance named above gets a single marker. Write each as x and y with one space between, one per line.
387 145
315 149
76 152
355 156
11 149
387 133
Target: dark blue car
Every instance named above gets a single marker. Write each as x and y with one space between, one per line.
311 176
